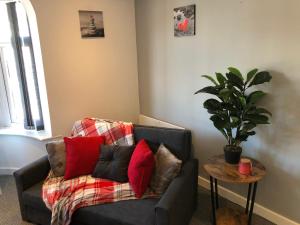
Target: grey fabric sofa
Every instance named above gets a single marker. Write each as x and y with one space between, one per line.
175 207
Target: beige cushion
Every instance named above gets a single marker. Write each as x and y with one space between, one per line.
167 167
57 157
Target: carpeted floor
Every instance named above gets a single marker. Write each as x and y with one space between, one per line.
9 208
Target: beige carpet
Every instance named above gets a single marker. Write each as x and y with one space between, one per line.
9 206
10 214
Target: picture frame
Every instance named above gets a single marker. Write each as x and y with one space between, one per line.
91 24
185 21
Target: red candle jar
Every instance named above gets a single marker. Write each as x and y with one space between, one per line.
245 166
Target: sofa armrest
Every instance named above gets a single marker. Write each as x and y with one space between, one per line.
178 203
30 175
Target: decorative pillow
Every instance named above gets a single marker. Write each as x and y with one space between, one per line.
140 168
82 154
57 157
113 163
167 167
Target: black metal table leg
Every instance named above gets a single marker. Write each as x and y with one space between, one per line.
252 204
212 195
216 193
248 198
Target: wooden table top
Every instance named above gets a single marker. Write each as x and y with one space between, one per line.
220 170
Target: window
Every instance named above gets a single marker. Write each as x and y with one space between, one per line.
20 101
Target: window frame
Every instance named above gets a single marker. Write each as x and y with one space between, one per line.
20 42
5 120
38 83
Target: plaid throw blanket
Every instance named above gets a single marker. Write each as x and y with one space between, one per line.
63 197
115 132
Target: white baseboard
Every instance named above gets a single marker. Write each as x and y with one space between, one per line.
148 121
7 170
224 192
240 200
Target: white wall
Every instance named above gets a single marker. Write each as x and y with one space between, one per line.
88 77
84 77
246 34
18 151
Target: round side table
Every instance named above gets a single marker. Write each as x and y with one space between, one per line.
218 169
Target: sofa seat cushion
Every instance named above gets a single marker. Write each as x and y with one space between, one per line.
33 197
131 212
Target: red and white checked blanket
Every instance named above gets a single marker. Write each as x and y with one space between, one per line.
63 197
115 132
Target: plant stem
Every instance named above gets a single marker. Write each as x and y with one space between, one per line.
229 130
238 131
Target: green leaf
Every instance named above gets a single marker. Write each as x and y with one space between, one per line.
263 111
251 133
225 93
235 80
236 72
228 106
211 79
209 90
236 92
221 78
212 104
254 110
257 119
261 78
251 74
243 101
248 126
224 133
219 123
244 136
235 121
255 96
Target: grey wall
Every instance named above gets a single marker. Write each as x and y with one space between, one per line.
246 34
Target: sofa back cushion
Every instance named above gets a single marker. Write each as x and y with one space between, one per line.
178 141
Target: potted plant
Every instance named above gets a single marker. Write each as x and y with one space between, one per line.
234 109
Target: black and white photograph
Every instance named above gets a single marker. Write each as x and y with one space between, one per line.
184 21
91 24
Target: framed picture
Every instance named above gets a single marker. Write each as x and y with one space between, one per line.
91 24
184 21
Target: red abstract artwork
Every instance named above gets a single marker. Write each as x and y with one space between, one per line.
184 21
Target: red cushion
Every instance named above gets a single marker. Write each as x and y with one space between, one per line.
141 168
82 154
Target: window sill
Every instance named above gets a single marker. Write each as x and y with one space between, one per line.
19 131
